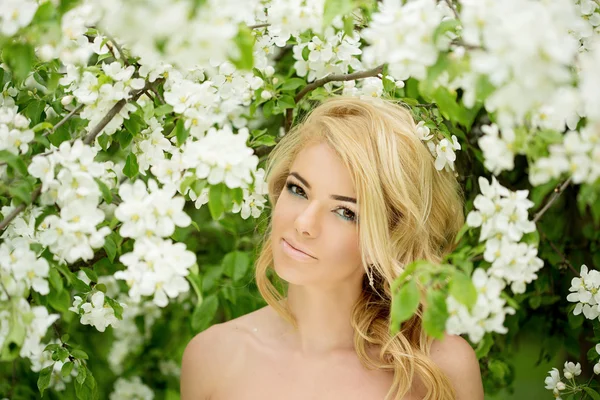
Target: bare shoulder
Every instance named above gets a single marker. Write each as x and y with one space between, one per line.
457 359
213 356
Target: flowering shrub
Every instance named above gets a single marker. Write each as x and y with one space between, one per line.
133 136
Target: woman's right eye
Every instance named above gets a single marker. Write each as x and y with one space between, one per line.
290 187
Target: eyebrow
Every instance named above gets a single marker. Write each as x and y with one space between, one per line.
333 196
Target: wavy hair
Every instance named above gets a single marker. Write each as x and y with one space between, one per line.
409 211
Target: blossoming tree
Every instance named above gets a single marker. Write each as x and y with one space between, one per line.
133 136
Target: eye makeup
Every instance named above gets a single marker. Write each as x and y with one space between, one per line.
292 188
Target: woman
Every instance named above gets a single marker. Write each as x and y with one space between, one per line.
352 163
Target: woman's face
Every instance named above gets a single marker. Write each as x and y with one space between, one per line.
317 213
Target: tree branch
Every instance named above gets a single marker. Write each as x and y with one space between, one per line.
258 26
557 251
451 5
64 120
114 111
88 140
557 192
322 82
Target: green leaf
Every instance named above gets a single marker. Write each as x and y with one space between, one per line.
163 110
66 369
180 132
484 346
116 307
293 84
236 264
88 389
245 46
333 8
34 110
41 126
448 25
19 57
79 354
204 314
13 161
436 314
44 378
131 167
55 279
215 201
22 191
59 300
110 247
591 392
405 302
106 195
463 289
90 274
286 101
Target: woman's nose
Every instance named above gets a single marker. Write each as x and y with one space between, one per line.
307 222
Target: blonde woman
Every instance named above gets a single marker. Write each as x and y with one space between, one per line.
355 197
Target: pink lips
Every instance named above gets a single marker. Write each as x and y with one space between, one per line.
295 253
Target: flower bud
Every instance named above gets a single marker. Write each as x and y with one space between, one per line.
568 375
269 71
66 100
560 386
266 95
275 80
597 368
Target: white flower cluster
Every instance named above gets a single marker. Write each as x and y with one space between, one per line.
16 14
222 156
182 33
254 201
590 12
158 268
19 320
578 156
131 389
487 314
67 176
402 35
553 381
100 91
150 147
443 151
497 148
589 85
334 54
15 134
586 293
97 312
524 48
19 263
289 18
503 218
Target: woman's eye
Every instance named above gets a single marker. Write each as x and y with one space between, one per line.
290 188
349 214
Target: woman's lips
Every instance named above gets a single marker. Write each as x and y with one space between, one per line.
295 253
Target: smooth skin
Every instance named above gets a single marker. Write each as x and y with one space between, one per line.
259 356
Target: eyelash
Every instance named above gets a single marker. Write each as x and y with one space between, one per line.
290 185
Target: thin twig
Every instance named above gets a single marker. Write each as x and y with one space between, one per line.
112 112
157 93
557 251
64 120
451 5
322 82
119 49
88 140
18 209
557 192
258 26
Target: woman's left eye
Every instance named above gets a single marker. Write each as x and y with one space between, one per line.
350 215
347 213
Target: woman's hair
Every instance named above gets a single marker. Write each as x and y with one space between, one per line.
408 211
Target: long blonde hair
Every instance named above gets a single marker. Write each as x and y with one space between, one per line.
408 211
